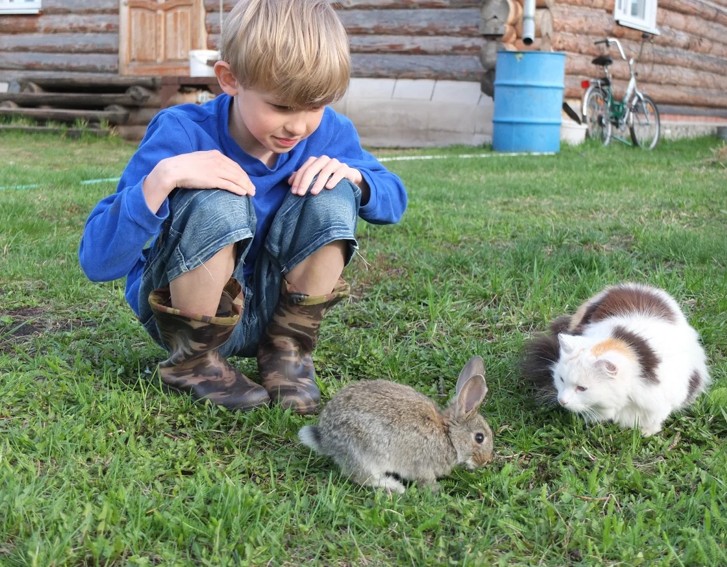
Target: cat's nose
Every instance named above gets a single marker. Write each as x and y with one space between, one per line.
563 402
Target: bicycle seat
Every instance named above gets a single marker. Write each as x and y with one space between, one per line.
602 60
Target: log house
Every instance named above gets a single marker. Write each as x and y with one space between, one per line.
120 61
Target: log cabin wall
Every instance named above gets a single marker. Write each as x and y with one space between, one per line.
415 45
401 39
68 37
684 68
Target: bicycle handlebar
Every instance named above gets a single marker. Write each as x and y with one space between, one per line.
608 41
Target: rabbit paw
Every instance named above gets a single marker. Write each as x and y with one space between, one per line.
387 482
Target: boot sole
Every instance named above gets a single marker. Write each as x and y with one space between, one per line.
233 407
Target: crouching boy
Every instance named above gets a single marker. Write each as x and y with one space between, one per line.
233 221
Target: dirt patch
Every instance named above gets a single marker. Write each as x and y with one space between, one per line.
23 324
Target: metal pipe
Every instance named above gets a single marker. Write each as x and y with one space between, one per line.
528 22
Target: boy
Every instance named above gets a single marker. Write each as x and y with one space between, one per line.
234 220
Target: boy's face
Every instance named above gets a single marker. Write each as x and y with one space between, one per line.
264 127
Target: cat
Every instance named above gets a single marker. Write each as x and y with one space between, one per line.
628 355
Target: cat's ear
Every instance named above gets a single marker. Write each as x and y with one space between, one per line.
607 366
567 343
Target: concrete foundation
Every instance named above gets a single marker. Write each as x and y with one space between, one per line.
411 113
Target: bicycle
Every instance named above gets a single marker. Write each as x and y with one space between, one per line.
602 112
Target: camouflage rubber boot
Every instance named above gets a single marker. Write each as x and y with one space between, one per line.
194 364
284 354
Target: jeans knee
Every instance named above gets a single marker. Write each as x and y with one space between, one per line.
338 206
198 209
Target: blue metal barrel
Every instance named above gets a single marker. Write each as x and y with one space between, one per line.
528 101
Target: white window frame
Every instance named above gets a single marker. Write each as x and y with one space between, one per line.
20 7
647 23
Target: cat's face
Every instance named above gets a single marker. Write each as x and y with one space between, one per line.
587 381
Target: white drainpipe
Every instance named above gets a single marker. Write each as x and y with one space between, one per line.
528 21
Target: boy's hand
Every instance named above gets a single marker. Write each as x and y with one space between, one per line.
197 170
329 171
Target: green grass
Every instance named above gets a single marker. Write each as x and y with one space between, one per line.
99 466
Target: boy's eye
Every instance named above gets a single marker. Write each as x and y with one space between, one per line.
581 389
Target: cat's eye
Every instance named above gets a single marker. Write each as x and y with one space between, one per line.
581 389
561 379
479 438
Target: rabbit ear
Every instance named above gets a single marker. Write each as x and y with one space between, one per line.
474 367
470 396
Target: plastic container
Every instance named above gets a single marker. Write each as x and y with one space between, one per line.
528 101
572 133
198 62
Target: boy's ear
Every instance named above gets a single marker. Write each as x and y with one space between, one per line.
227 81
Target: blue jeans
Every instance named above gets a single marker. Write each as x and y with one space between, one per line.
202 222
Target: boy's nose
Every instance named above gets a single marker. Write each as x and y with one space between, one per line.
296 125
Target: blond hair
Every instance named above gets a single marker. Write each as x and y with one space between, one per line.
296 49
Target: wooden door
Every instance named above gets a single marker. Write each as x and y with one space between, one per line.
155 36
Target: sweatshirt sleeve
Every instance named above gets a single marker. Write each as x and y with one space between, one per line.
121 225
388 199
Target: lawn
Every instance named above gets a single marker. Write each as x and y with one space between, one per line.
99 466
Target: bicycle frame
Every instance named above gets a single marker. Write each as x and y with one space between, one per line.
620 111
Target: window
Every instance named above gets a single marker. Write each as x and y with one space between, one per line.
19 7
637 14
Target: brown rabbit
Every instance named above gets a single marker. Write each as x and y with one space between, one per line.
381 432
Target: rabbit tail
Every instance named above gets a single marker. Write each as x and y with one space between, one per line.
310 436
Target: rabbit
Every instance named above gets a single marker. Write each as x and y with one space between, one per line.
381 433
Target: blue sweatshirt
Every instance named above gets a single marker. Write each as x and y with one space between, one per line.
121 228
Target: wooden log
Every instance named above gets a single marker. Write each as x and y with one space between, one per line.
74 100
664 94
67 43
681 40
464 22
438 45
493 17
705 88
585 20
141 116
694 25
213 6
488 54
652 53
705 11
63 131
9 75
437 67
80 7
510 34
142 96
94 63
131 133
63 23
66 81
113 116
515 13
590 4
403 4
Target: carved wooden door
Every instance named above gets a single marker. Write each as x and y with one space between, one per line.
155 36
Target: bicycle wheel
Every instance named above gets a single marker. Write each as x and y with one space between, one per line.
644 123
596 114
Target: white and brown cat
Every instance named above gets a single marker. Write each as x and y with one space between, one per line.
628 355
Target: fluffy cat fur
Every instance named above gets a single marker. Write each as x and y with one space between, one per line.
628 355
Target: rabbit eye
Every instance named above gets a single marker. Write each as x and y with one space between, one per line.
479 437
